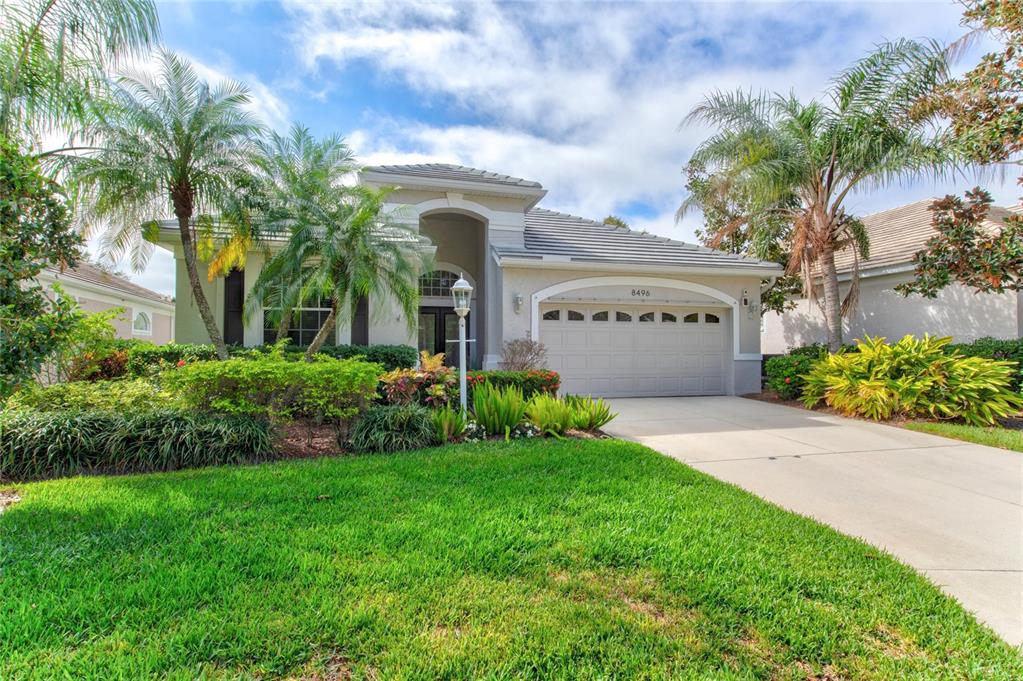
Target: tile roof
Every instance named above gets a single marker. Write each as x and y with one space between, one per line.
578 239
87 272
898 233
447 171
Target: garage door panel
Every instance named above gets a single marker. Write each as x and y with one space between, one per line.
633 357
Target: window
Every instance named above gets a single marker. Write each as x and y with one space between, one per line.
574 316
711 318
668 318
599 316
623 316
437 284
691 318
552 315
142 325
646 317
305 322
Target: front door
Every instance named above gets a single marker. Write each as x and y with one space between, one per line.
438 326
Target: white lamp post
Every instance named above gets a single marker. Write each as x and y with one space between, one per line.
461 291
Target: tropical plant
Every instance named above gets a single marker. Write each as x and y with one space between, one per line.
448 423
55 55
530 382
327 390
35 233
394 428
589 413
167 144
498 410
88 342
1003 349
37 444
523 354
551 415
911 378
800 161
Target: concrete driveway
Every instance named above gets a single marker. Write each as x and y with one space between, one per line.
952 510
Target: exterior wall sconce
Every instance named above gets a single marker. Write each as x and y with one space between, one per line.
517 303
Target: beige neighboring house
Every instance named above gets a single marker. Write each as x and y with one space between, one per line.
148 315
896 235
622 313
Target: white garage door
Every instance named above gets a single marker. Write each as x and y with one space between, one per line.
622 351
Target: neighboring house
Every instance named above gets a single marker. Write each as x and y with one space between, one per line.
621 312
148 315
896 235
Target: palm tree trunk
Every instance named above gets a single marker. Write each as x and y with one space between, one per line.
832 300
193 279
323 333
284 326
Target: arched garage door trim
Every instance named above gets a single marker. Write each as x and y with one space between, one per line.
575 284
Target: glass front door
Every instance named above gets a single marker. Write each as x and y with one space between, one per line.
438 326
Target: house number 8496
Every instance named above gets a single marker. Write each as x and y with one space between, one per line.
640 293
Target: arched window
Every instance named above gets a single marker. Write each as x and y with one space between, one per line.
142 325
437 284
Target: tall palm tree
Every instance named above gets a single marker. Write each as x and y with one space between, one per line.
168 144
293 176
54 57
801 161
347 249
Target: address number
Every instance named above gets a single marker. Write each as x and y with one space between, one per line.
640 293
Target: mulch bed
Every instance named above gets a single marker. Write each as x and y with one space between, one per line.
302 440
8 497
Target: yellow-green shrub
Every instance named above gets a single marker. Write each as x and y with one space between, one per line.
325 390
914 377
551 415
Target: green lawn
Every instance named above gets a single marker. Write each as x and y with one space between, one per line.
574 559
995 437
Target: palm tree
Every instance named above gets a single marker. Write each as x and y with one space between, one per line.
293 176
168 144
800 161
346 249
55 54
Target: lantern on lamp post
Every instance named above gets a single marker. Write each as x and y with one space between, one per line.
461 291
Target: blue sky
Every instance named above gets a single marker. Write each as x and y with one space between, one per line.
584 97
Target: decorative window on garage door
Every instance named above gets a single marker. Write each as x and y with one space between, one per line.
552 315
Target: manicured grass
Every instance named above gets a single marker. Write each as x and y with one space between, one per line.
543 559
1006 438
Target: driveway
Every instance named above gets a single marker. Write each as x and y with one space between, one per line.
952 510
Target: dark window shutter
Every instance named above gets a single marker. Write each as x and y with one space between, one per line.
234 302
360 323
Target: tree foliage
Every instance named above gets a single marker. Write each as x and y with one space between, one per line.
55 54
968 252
797 162
35 232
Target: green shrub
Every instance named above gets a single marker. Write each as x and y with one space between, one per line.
1009 350
531 382
37 444
390 357
785 373
448 423
497 409
393 428
914 377
145 358
589 413
551 415
121 396
325 390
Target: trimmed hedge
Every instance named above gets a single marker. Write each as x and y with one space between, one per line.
785 374
36 444
121 396
531 382
390 357
147 358
1010 350
325 390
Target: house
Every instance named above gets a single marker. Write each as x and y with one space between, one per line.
621 312
896 235
148 314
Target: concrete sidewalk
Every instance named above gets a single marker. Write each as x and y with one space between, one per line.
952 510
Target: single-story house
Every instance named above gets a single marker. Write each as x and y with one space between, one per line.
148 315
896 235
621 312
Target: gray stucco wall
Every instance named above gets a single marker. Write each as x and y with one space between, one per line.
956 312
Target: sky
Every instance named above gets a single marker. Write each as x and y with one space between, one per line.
586 98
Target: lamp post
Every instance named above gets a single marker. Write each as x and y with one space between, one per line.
461 291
